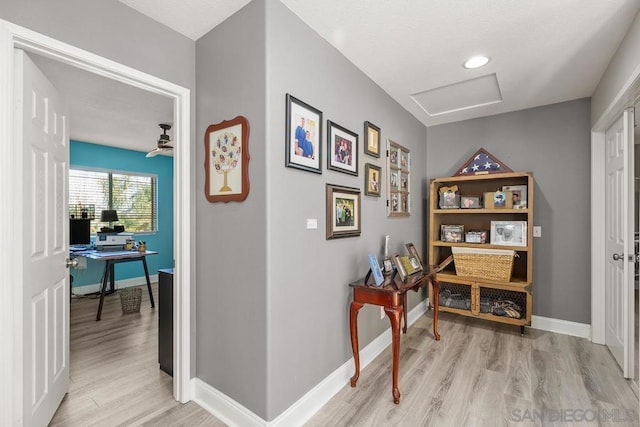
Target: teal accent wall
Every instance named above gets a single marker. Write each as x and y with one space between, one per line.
89 155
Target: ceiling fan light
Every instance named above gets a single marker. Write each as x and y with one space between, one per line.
476 62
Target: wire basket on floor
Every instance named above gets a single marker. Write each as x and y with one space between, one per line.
130 299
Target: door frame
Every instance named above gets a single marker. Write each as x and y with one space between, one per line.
626 97
11 328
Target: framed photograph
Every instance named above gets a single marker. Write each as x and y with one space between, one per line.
343 212
226 165
376 271
399 268
451 233
509 233
414 253
342 146
478 236
304 134
470 202
518 195
449 197
371 139
372 180
398 181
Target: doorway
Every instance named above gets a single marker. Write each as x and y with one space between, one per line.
12 36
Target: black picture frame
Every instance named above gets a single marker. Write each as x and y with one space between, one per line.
372 180
371 139
342 149
297 155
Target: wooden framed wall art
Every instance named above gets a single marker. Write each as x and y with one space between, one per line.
398 164
343 212
227 161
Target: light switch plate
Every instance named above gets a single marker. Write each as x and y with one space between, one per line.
312 223
537 231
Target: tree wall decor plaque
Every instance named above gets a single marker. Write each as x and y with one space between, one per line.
227 160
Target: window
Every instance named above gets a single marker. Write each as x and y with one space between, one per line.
133 196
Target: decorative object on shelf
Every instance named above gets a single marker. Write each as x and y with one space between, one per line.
509 233
82 211
227 161
518 195
398 171
414 253
342 149
451 233
488 264
482 162
479 236
371 139
304 136
372 180
142 246
498 200
375 270
467 202
449 197
343 211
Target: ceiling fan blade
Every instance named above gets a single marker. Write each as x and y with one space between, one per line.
153 152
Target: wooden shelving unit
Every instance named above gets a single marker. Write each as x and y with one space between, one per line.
476 292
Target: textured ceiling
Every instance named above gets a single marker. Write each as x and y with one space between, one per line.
542 52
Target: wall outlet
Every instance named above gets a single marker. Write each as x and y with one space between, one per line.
537 231
382 313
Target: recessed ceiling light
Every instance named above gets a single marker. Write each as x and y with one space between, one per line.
476 62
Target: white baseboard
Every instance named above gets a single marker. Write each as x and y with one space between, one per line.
560 326
234 414
120 284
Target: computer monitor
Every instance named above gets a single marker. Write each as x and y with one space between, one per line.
79 231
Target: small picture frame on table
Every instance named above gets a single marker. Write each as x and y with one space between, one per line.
399 268
371 139
414 253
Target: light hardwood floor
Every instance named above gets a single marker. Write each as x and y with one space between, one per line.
485 374
115 376
479 374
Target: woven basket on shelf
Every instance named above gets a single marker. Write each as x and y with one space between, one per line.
130 299
484 264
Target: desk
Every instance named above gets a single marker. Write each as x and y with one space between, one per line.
392 295
115 257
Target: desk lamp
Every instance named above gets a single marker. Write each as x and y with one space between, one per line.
109 216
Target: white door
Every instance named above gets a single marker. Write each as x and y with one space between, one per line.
620 255
41 116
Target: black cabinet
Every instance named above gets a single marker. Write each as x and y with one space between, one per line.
165 320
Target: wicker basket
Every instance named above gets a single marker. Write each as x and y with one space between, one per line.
493 264
130 299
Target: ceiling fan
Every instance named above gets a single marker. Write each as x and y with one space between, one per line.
165 145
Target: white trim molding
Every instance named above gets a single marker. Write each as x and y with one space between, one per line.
560 326
234 414
11 330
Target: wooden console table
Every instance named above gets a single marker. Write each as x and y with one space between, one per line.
392 295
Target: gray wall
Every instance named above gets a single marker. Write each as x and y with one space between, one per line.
307 318
231 237
622 66
553 142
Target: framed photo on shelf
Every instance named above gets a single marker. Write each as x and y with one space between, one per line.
343 211
227 162
414 253
342 146
467 202
518 195
371 139
372 180
451 233
449 197
304 136
509 233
